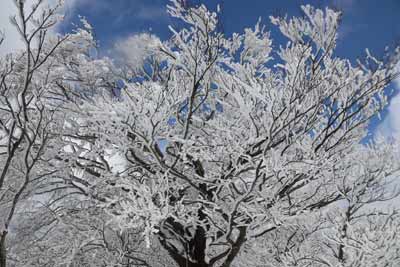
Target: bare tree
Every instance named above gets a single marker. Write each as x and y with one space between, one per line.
26 119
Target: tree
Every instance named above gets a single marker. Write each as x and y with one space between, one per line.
26 115
226 143
220 150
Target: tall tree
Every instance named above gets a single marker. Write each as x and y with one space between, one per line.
227 142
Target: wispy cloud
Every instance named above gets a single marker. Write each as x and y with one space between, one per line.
152 13
117 9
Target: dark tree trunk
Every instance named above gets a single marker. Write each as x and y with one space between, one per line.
195 245
3 251
236 247
195 254
192 264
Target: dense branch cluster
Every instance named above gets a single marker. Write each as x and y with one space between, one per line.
202 150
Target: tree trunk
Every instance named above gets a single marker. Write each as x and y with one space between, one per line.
192 264
194 256
3 251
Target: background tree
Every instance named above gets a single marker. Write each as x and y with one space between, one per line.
57 223
26 116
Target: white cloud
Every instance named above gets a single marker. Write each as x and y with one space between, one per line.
390 127
394 115
133 50
8 9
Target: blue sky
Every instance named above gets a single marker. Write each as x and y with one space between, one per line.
366 23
